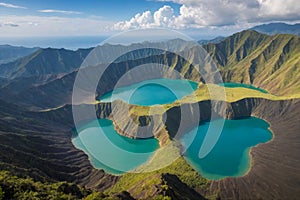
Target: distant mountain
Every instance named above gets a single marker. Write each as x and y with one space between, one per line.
10 53
214 41
44 62
269 62
61 61
278 28
2 81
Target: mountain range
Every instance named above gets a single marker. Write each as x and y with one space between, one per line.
269 62
10 53
36 119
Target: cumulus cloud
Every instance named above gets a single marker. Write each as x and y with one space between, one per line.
162 17
8 5
68 12
143 20
279 9
215 13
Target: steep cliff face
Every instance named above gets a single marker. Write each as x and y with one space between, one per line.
116 70
178 119
208 110
103 110
128 124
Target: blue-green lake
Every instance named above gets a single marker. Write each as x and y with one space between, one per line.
152 92
236 85
117 154
110 151
230 156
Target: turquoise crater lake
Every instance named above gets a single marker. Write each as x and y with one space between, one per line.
117 154
152 92
110 151
236 85
230 156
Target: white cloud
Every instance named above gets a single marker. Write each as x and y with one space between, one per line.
279 9
8 5
59 11
211 13
162 17
138 21
24 26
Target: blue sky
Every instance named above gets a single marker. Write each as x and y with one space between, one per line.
109 9
19 18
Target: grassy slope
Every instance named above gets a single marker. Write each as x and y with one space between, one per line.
13 187
137 183
269 62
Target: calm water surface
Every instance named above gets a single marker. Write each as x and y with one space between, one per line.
230 156
235 85
152 92
110 151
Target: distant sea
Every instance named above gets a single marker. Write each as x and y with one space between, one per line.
72 43
76 42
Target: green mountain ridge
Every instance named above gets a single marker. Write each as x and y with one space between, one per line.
62 61
44 62
269 62
249 57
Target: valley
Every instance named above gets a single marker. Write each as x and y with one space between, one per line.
261 75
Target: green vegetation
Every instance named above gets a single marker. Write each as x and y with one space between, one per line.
13 187
1 194
268 62
94 196
137 183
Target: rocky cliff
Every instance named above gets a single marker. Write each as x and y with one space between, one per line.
131 125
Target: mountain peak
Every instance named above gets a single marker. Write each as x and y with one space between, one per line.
43 62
